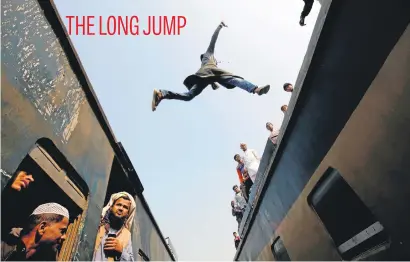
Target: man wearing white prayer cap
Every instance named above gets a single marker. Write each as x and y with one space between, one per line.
114 233
43 236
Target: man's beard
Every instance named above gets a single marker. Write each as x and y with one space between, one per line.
47 252
116 222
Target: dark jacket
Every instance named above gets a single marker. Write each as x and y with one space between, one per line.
238 213
209 71
13 249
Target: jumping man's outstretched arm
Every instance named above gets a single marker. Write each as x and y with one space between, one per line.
211 47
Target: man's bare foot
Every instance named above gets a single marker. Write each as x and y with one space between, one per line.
262 90
156 98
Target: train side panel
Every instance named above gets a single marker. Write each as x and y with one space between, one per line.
146 237
370 154
43 98
350 113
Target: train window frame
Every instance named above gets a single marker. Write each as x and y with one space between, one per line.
362 241
46 162
142 255
283 250
45 155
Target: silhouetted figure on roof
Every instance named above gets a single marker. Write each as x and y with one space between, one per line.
284 108
306 10
208 74
288 87
274 133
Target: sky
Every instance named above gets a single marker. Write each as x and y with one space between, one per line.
183 152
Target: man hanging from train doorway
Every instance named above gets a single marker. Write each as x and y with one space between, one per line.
208 74
114 233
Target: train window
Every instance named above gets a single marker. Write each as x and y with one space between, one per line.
54 181
353 228
279 250
142 256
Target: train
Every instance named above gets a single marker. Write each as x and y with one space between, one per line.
337 185
53 127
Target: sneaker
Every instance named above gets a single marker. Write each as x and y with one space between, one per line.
262 90
156 98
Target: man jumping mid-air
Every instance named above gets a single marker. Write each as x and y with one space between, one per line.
208 74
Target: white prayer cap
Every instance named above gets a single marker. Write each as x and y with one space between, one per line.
51 208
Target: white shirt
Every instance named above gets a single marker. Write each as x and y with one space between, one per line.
274 136
251 161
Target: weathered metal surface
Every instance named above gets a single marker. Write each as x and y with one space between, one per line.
336 78
43 97
146 238
41 71
369 153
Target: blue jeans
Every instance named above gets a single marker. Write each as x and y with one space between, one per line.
198 88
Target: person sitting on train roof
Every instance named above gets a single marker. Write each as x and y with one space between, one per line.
246 183
237 239
274 133
239 199
114 233
42 238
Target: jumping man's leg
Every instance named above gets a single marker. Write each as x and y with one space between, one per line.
245 85
159 95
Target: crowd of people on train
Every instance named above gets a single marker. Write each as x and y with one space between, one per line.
42 237
247 171
249 162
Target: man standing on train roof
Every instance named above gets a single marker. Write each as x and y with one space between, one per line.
114 232
208 74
